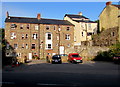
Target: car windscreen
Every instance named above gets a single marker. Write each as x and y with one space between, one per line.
56 57
75 56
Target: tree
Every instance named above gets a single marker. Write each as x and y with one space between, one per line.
98 28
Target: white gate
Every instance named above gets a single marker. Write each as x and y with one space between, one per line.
61 49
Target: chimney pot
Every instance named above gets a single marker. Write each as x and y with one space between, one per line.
80 13
38 16
108 3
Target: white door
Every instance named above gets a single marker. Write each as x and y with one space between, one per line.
30 56
61 49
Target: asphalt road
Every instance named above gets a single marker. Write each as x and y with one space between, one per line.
89 74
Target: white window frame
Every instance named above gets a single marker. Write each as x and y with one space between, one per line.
28 26
68 29
22 36
13 35
47 26
16 46
35 36
14 26
26 46
67 36
21 26
68 45
32 44
7 46
36 27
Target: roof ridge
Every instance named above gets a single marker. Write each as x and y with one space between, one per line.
21 17
53 19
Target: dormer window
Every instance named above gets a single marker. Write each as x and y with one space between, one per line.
21 26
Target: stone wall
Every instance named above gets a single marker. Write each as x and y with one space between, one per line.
106 38
86 51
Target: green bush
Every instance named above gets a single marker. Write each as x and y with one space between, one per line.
108 55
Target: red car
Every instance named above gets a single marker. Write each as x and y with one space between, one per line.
74 58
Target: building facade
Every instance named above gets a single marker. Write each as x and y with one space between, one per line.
84 28
109 26
109 16
37 37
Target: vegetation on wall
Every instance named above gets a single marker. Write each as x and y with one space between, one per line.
108 55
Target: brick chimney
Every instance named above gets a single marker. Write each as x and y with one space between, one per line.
7 14
38 16
80 13
108 3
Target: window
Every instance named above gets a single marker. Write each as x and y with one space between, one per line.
82 25
33 46
82 33
89 25
68 28
34 36
26 46
89 33
28 26
49 46
68 45
57 37
7 54
22 36
67 37
47 27
15 46
7 47
13 26
18 54
113 34
49 36
23 45
36 27
26 36
13 35
21 26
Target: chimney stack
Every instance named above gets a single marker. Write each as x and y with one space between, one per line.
108 3
38 16
80 13
7 14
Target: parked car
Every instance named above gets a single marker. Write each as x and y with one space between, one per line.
56 59
116 58
74 58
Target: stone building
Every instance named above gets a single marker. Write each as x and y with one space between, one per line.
84 28
109 26
109 16
37 37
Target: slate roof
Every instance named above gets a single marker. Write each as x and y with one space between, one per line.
75 16
118 6
79 17
86 21
36 21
